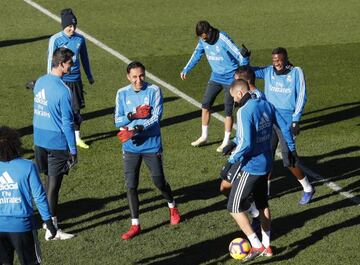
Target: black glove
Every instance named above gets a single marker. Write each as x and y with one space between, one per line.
72 161
50 226
30 84
295 128
228 148
225 169
245 52
293 158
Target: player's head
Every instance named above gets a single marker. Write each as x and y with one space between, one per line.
205 31
136 75
10 144
68 21
62 60
245 72
238 89
280 59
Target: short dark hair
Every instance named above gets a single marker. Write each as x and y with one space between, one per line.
10 144
247 73
202 27
280 50
240 82
135 64
61 55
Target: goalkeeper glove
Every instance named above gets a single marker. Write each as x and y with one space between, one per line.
125 134
142 112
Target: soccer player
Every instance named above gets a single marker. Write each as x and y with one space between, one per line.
138 111
54 137
252 160
224 58
74 41
285 88
19 184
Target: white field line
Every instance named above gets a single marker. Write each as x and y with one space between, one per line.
171 88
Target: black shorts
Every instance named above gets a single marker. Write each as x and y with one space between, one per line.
242 187
211 92
77 92
132 163
52 162
25 244
234 171
277 137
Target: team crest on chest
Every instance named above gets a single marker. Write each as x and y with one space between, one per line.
288 78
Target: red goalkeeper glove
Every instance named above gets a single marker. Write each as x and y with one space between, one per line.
142 112
125 134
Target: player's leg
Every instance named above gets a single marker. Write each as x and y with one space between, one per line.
6 249
78 102
274 145
261 200
155 164
57 167
212 90
228 104
296 171
238 204
132 163
26 247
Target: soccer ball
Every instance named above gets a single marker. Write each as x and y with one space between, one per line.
239 248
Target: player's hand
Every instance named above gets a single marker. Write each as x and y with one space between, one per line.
142 112
50 226
125 134
91 81
293 158
183 76
72 161
295 128
225 169
228 148
245 52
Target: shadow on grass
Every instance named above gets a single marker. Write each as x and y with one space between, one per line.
6 43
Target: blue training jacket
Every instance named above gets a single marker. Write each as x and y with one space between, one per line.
53 116
127 99
223 56
19 183
76 43
253 136
286 92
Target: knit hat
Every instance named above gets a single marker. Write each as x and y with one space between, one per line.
67 18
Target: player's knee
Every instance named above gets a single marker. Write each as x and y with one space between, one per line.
228 110
160 182
206 105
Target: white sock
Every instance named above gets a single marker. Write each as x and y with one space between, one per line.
306 184
204 131
226 137
254 241
265 238
253 211
77 134
268 190
172 204
135 221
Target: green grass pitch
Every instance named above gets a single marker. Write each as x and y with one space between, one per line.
323 37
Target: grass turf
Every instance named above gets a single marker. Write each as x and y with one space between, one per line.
320 39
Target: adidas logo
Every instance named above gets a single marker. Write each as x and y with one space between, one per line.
40 97
264 122
7 183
